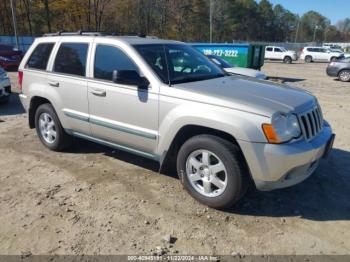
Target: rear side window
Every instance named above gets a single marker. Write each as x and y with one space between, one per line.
109 58
40 56
269 49
71 59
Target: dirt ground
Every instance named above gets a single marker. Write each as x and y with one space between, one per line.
97 200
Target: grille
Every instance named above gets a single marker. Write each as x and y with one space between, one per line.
311 122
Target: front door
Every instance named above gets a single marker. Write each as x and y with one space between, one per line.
121 114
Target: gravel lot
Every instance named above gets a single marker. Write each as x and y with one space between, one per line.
96 200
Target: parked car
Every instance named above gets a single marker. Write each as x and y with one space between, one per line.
340 69
231 69
344 55
166 101
313 53
280 53
10 57
5 86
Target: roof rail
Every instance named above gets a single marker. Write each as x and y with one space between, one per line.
80 32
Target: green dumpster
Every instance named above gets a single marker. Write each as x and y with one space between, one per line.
242 55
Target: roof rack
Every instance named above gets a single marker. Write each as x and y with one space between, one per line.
80 32
93 33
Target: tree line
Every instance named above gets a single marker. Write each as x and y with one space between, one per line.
186 20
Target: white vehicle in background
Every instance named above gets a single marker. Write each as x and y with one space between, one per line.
314 53
281 54
231 69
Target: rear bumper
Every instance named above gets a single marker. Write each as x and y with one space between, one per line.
25 101
277 166
332 71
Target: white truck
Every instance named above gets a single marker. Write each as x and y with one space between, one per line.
280 54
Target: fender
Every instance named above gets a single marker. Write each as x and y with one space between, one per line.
241 125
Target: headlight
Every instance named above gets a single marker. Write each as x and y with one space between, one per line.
282 128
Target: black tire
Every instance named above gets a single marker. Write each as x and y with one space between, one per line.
287 60
344 75
233 160
333 59
308 59
62 139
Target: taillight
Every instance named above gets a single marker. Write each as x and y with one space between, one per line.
20 80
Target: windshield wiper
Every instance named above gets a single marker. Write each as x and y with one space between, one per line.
197 78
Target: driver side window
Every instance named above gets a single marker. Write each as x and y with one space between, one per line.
109 58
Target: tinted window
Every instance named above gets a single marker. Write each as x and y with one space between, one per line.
269 49
109 58
40 56
71 59
278 50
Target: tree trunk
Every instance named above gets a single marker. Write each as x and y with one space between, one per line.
47 11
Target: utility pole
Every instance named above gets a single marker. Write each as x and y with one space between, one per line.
14 20
211 20
297 32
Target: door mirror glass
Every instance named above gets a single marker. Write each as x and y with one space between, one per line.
130 77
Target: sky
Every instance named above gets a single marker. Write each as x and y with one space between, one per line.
335 10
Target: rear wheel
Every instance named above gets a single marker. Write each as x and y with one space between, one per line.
212 170
344 75
49 128
287 60
308 59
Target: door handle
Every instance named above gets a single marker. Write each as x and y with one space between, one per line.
54 83
98 92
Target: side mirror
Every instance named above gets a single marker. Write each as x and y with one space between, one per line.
130 77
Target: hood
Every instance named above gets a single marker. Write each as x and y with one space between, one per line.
250 95
246 72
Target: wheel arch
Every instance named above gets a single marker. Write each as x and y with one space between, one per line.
35 102
168 159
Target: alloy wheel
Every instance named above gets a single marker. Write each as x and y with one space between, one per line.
206 173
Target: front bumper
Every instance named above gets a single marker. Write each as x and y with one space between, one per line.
5 88
332 71
275 166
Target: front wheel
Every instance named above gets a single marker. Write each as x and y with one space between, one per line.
333 59
344 75
49 128
287 60
212 170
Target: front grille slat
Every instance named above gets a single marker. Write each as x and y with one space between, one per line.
314 113
311 122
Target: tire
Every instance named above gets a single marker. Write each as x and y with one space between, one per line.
308 59
234 176
49 128
333 59
287 60
344 75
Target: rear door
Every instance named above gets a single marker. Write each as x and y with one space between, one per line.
69 84
269 52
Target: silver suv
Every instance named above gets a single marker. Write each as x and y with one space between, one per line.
166 101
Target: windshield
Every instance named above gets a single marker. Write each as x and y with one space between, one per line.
220 61
283 49
178 63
